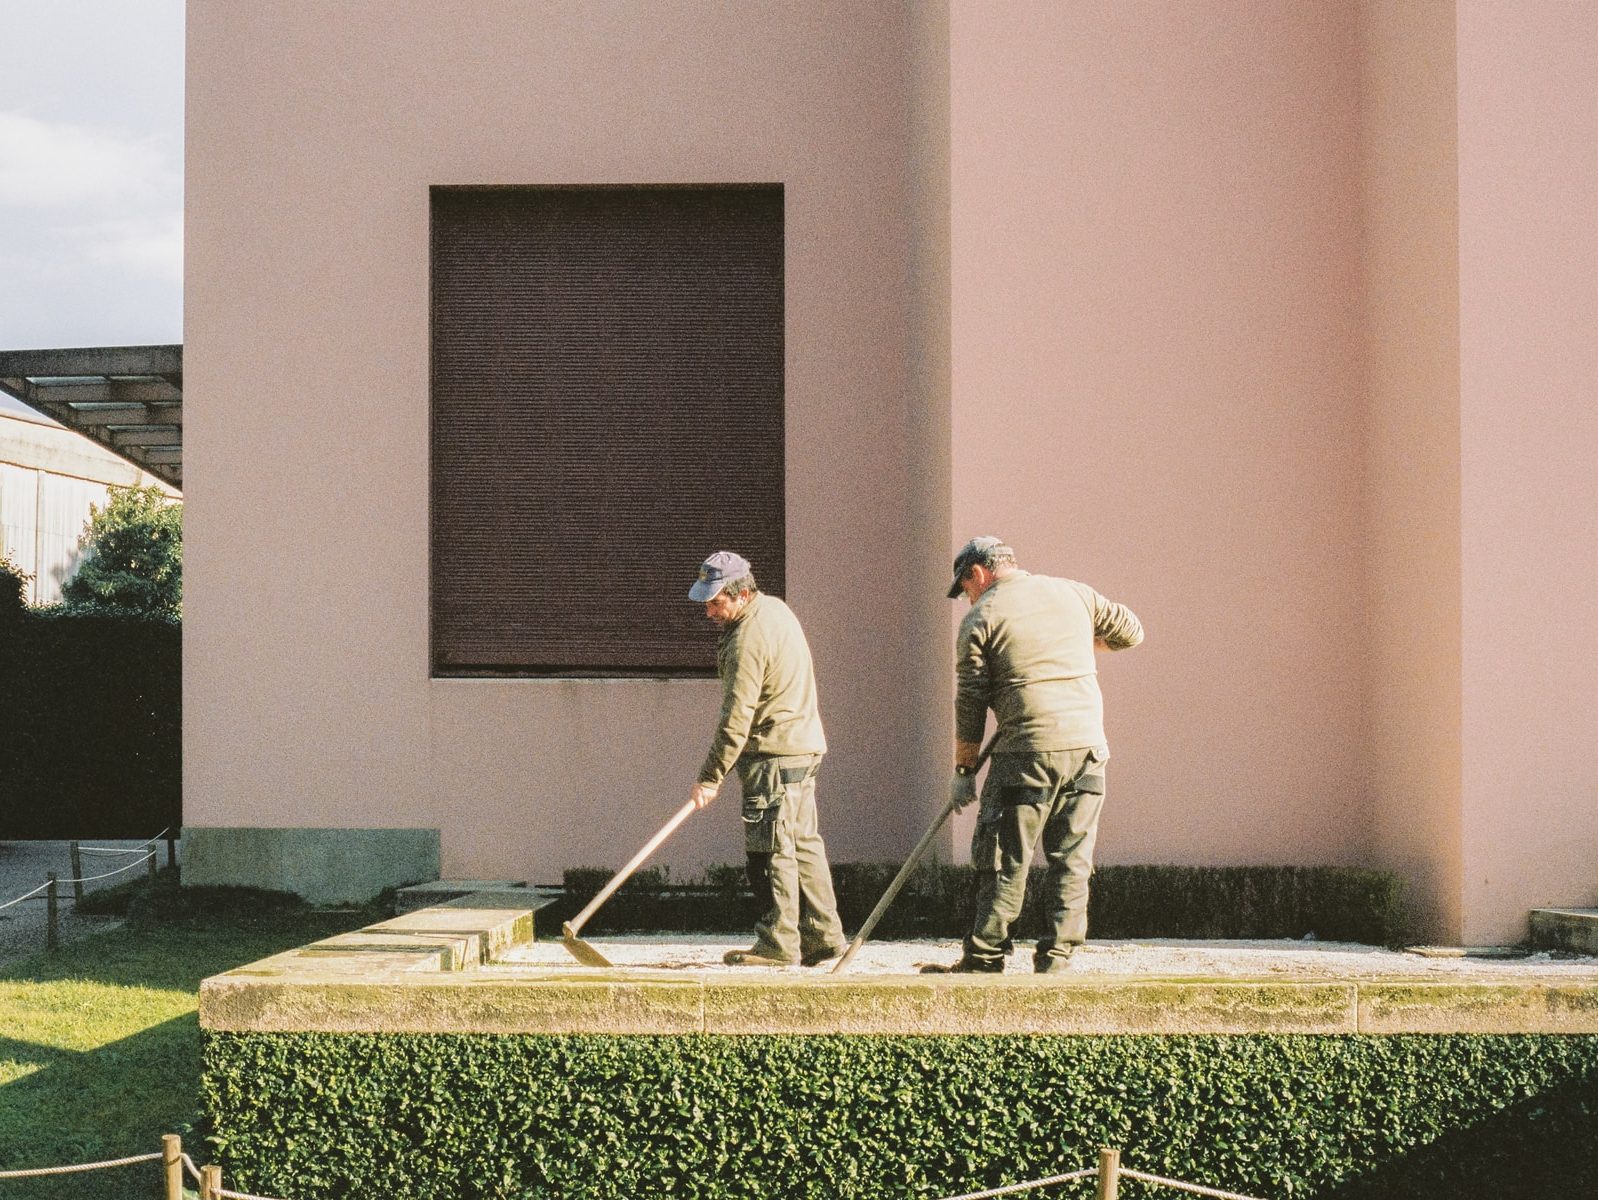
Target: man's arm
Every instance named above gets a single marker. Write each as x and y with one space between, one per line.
970 694
1115 626
741 674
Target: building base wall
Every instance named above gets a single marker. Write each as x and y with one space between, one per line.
325 866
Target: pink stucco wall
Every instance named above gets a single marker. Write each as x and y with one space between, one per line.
1157 389
313 136
1411 434
1528 303
1271 320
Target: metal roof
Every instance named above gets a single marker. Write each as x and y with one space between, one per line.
128 399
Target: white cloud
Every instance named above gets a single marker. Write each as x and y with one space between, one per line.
47 164
152 245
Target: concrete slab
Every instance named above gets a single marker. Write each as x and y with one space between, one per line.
426 895
430 971
325 866
1571 929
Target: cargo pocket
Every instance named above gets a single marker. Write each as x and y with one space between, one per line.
763 788
1091 779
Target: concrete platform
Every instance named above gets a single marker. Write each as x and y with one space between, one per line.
1571 929
452 968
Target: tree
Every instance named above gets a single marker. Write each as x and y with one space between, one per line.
134 554
13 588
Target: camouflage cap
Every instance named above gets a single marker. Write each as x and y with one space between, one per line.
720 569
982 550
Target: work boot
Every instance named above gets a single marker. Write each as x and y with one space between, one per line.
967 966
755 956
1052 964
814 958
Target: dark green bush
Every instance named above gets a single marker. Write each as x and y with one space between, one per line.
430 1117
1335 903
92 722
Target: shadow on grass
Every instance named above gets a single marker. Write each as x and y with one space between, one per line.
118 1098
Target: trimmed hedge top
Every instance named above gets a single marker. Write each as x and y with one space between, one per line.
1330 903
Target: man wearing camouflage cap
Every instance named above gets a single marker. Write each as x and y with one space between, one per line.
770 730
1025 650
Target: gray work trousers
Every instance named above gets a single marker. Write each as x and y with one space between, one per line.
1057 796
787 860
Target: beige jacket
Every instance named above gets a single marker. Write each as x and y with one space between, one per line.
768 690
1025 650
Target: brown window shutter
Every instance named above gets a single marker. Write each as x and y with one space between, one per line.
607 410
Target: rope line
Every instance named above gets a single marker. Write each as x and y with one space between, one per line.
241 1195
188 1165
1197 1189
1085 1173
43 887
95 1166
120 850
93 878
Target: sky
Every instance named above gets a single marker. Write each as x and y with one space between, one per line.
91 173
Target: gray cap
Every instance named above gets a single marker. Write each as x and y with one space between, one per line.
720 569
982 550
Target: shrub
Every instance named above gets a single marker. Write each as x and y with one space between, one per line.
135 554
13 590
440 1116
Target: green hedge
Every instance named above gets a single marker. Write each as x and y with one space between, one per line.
92 733
467 1116
1332 903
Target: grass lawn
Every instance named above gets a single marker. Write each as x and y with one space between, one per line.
100 1042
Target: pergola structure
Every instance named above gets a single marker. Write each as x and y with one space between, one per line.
128 399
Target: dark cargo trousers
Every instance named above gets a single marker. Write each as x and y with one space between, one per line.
1056 796
787 860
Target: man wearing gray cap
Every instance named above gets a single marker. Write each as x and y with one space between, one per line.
770 730
1025 650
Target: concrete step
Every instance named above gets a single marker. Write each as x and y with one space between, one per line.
426 895
1572 929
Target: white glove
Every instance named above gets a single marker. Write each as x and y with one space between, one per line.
962 790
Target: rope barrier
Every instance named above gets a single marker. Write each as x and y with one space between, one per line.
75 1167
120 850
93 878
1085 1173
43 887
1197 1189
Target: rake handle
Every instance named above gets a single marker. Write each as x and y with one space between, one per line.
622 875
905 871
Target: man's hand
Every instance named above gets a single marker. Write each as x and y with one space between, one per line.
962 790
704 793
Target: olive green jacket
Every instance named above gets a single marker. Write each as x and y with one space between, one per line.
1025 650
768 690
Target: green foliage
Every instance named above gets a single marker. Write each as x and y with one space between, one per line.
135 554
92 728
440 1116
13 589
1333 903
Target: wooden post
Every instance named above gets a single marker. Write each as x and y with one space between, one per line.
210 1180
77 874
172 1165
1109 1174
149 863
171 849
51 939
